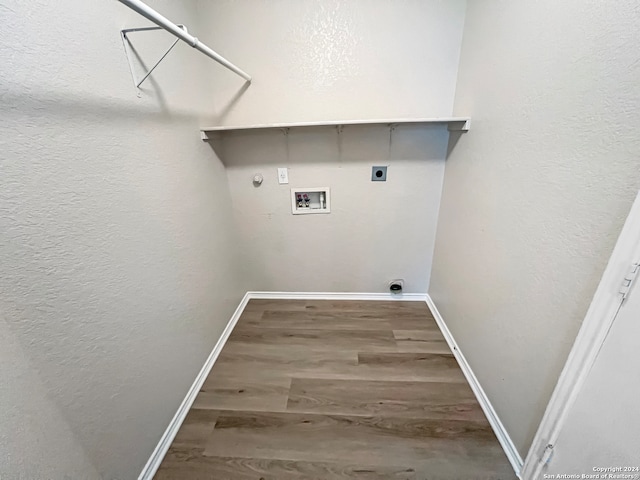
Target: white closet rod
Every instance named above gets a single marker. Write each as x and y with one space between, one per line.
149 13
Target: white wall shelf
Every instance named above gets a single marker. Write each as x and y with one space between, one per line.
454 124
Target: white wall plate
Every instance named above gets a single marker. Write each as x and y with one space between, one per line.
310 200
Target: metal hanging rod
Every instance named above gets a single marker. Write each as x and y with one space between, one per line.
149 13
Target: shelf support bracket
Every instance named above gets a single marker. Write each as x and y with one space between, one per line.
128 47
459 126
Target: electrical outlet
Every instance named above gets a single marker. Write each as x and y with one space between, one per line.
283 176
379 174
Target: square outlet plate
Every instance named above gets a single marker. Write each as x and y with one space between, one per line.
378 174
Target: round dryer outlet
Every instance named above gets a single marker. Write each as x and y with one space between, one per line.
396 286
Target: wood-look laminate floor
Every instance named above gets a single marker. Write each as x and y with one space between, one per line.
329 390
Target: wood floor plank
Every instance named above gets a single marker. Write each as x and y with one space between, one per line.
199 467
335 320
238 358
276 360
407 359
375 307
394 306
247 391
376 441
413 323
411 366
378 307
408 346
418 335
260 305
317 320
346 313
337 363
426 341
429 400
196 429
351 339
343 322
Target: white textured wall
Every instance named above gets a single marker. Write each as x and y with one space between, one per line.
117 250
376 231
535 196
30 422
334 59
330 60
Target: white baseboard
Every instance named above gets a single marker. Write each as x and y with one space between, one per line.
161 449
498 428
412 297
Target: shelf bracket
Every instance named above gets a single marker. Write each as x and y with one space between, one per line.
128 51
459 126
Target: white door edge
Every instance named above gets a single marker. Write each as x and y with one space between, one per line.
599 318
